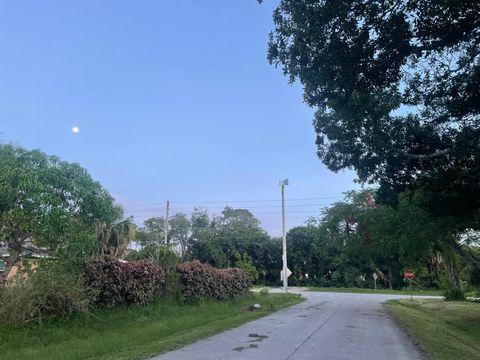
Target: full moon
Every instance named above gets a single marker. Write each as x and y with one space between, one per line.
75 129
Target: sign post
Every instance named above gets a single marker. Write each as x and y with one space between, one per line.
409 275
285 270
375 277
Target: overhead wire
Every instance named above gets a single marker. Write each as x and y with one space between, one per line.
162 209
256 207
199 203
144 213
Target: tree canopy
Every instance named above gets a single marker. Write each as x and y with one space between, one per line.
396 88
46 203
352 240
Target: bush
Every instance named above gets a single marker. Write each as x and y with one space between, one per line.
173 287
41 295
244 262
144 281
106 279
113 282
454 294
201 281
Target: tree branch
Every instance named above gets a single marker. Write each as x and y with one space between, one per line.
470 258
425 156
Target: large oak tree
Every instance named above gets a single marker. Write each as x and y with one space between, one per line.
396 88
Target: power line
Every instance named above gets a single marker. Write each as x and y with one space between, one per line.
248 201
144 213
162 209
199 203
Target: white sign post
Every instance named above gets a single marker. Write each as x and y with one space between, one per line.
284 183
375 277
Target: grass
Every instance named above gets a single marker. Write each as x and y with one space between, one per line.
131 332
444 330
379 291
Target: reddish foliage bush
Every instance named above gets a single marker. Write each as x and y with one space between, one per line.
114 282
201 281
144 281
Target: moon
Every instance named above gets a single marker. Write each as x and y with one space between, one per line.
75 129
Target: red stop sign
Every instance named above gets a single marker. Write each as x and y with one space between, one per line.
409 275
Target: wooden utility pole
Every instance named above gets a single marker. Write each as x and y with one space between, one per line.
166 223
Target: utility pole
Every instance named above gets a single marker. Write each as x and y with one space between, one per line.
166 223
284 183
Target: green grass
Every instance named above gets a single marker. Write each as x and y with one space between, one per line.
379 291
444 330
133 333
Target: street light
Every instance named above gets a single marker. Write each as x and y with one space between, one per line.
284 183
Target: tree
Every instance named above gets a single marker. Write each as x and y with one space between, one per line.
152 233
268 261
396 88
403 238
219 240
344 239
115 238
244 262
300 242
179 232
202 244
237 230
46 203
395 85
354 238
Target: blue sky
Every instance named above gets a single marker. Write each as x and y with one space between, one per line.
174 100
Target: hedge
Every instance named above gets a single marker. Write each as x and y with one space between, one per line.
201 281
114 282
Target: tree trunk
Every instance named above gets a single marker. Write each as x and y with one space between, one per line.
390 279
453 275
183 249
454 249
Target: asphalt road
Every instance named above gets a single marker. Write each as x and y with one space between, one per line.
325 326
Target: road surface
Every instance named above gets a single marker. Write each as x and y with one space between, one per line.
325 326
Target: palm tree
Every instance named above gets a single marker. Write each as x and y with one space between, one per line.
115 237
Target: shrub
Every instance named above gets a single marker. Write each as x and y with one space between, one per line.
106 280
201 281
196 280
173 287
144 281
113 282
454 294
166 257
245 262
41 295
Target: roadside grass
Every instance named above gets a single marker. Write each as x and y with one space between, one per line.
133 332
379 291
443 329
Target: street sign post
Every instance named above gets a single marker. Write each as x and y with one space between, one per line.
409 275
2 265
375 277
